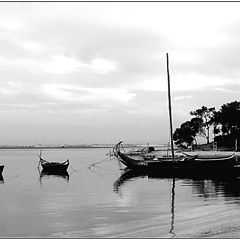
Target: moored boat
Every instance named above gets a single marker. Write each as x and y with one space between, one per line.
53 167
187 163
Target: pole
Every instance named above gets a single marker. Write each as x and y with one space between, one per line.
170 109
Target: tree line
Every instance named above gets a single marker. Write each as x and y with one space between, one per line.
224 125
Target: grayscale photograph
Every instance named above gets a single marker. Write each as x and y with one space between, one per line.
119 119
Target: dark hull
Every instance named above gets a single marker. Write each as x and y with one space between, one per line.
1 169
1 179
54 167
185 166
48 168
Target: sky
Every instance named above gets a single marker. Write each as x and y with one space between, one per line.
81 73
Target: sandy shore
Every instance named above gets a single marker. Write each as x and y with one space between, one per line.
230 231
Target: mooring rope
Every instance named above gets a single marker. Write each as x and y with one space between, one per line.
96 163
74 169
107 169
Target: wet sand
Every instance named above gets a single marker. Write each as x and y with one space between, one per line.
230 231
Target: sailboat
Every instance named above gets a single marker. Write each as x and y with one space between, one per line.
184 163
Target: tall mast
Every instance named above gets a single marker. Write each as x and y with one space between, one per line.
170 109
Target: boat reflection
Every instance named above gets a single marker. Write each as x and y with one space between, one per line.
202 186
46 175
126 176
129 174
1 179
228 187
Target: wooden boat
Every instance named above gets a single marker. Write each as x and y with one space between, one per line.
215 160
182 164
1 168
53 167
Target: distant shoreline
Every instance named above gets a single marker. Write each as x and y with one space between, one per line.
83 146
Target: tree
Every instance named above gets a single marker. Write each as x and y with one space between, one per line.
227 123
207 115
186 134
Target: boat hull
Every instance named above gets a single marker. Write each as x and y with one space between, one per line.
1 169
184 166
54 167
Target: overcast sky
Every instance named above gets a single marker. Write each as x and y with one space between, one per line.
73 73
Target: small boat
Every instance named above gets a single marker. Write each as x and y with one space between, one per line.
53 167
1 168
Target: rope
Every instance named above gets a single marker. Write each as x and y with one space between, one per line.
94 164
74 169
106 169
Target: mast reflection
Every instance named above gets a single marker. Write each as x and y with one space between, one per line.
171 231
129 174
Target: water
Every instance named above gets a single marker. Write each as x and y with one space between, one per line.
99 203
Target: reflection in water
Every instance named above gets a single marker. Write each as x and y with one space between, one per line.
172 208
129 174
202 186
1 178
47 175
126 175
206 188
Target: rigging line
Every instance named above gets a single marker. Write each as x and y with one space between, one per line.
107 169
73 170
94 164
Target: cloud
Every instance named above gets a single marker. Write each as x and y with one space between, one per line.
60 64
182 97
102 66
11 23
111 59
81 94
223 90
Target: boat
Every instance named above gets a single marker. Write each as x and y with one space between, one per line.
53 167
182 164
1 168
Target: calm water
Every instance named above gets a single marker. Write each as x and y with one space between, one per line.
98 203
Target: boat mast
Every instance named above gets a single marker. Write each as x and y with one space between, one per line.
170 109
